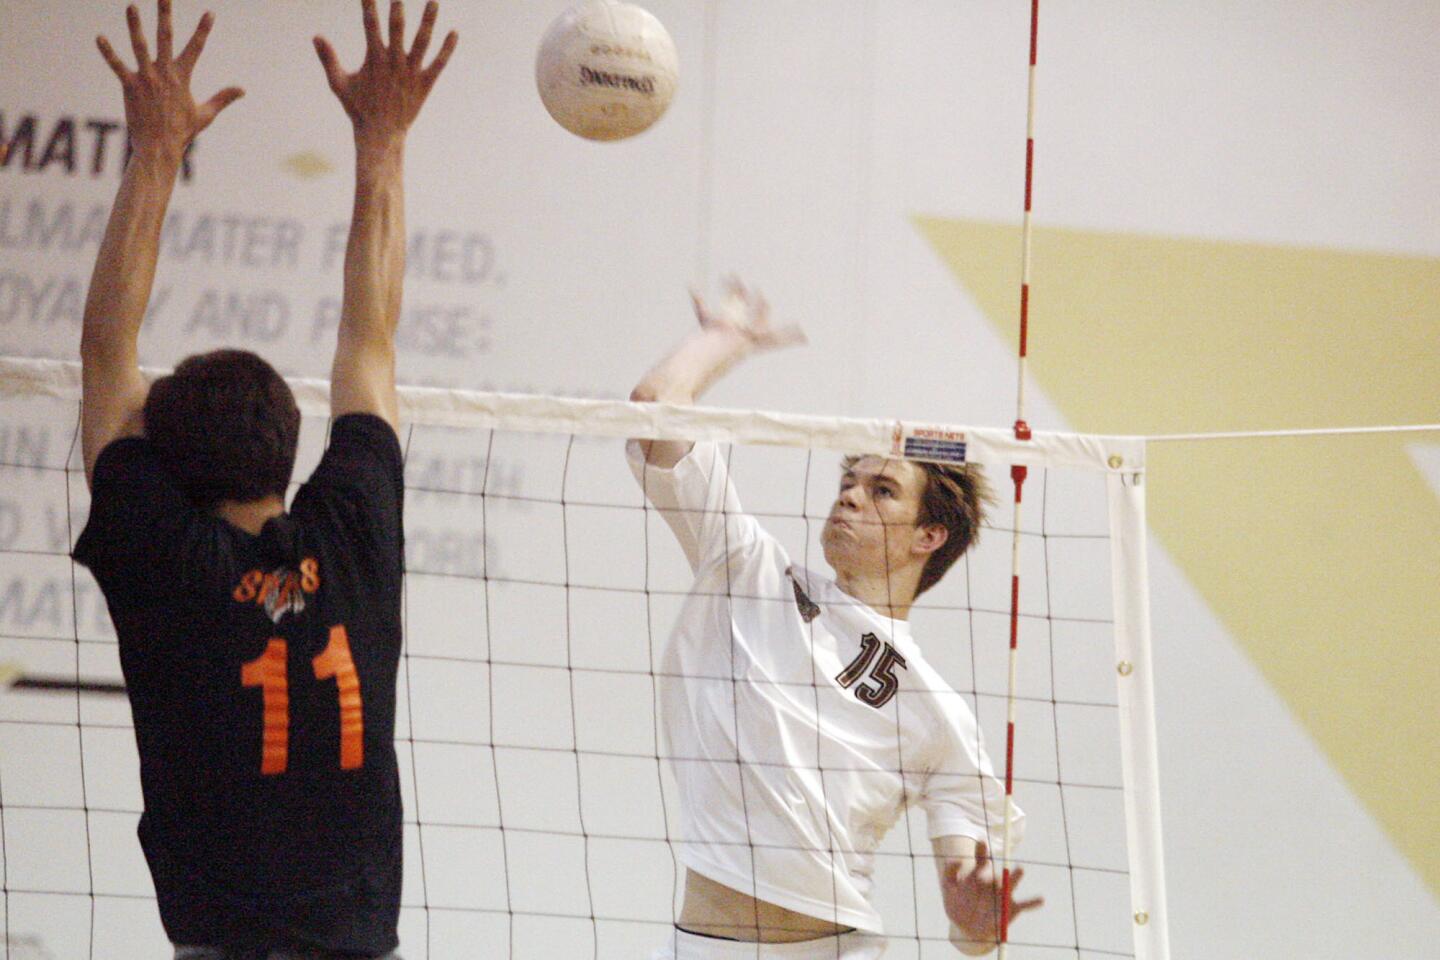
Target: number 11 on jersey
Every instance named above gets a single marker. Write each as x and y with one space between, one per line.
269 672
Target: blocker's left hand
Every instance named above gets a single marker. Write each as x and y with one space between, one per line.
385 95
160 113
973 900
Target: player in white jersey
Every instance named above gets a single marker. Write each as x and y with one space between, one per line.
800 716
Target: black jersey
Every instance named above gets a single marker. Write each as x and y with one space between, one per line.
261 672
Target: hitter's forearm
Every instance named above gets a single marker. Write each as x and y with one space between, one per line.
375 255
683 375
125 266
694 366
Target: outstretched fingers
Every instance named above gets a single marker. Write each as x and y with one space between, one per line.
212 107
759 309
737 306
1018 907
735 288
113 59
432 72
389 88
746 311
137 38
333 73
196 46
704 313
422 36
373 44
397 32
956 873
1023 906
159 108
771 337
164 35
790 335
979 874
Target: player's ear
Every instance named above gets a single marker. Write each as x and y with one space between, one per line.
932 537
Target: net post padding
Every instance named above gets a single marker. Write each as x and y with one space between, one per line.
1139 761
431 406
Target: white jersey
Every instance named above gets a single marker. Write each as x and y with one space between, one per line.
800 723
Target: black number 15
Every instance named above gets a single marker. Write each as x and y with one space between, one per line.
876 661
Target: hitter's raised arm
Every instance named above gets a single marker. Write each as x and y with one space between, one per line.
382 99
162 119
739 326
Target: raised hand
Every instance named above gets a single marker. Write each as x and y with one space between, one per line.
385 95
159 110
746 312
973 899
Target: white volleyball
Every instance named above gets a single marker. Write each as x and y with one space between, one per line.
606 70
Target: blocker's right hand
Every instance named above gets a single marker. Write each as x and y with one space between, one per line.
159 110
746 312
385 95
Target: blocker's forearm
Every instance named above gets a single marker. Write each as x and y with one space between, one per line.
375 255
125 266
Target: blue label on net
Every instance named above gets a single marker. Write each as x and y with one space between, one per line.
930 443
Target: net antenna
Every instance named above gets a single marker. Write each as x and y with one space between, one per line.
1018 474
1132 628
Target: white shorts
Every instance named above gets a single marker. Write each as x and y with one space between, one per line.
856 945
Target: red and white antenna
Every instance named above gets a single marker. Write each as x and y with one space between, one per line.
1017 475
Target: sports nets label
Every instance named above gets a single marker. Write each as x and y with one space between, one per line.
928 443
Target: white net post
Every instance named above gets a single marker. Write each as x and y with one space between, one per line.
1136 689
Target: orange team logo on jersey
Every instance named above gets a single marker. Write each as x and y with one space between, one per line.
279 591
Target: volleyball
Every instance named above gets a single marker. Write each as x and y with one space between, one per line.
606 70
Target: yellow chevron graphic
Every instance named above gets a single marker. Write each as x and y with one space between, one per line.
1320 555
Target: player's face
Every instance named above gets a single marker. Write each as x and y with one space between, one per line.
872 524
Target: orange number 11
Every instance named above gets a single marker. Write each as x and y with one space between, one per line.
268 672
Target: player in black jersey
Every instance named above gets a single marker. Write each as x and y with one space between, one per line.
259 647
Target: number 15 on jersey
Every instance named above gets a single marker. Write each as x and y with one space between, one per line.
877 662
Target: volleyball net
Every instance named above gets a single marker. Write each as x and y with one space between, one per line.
541 817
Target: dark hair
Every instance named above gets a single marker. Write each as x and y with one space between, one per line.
955 496
226 427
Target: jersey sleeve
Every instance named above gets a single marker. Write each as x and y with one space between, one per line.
698 501
958 789
141 526
359 487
